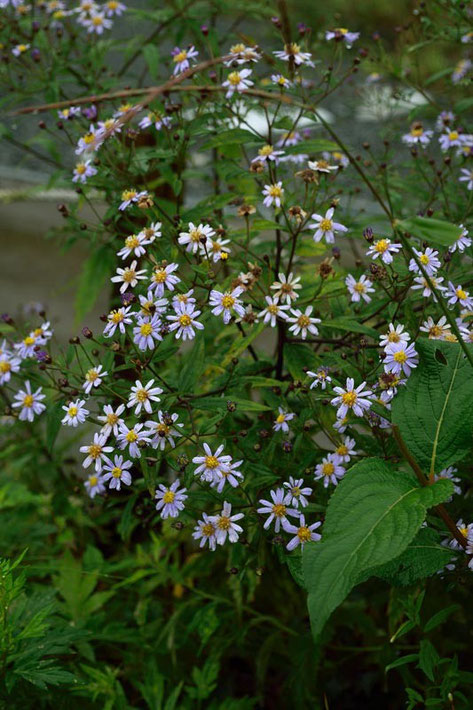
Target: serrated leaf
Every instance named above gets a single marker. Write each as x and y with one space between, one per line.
433 411
95 271
371 519
428 659
423 557
431 230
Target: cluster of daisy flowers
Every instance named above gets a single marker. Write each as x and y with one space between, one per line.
452 139
94 17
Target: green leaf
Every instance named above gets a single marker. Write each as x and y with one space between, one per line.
423 557
53 423
314 145
151 55
440 617
433 411
95 272
410 658
428 659
241 344
431 230
371 519
193 367
234 136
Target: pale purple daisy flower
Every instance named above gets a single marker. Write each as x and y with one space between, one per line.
225 303
237 81
76 413
163 277
111 420
297 491
226 525
353 398
395 334
184 321
142 396
94 485
182 58
359 289
273 310
457 294
132 438
276 509
83 171
96 452
117 472
325 227
330 470
118 318
385 249
273 194
170 500
147 332
302 533
205 531
283 417
303 323
129 276
196 236
29 401
346 450
93 378
400 358
320 377
209 467
341 34
292 52
429 260
164 430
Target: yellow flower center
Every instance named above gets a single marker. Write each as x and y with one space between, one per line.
453 135
97 20
28 340
94 451
180 57
349 398
303 321
381 246
128 194
293 48
91 375
303 534
400 357
461 294
281 418
328 468
416 132
234 78
28 400
296 491
435 331
211 461
279 510
128 275
132 242
342 450
112 419
169 496
160 276
116 472
266 150
5 366
424 259
81 168
275 191
22 47
237 48
224 523
325 225
142 395
116 316
185 320
112 4
273 310
228 301
393 337
93 480
208 529
163 429
132 436
146 329
359 287
72 411
88 138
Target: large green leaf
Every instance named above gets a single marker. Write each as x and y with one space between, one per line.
422 557
433 411
371 518
95 273
431 230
